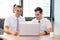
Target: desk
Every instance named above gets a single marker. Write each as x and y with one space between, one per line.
10 37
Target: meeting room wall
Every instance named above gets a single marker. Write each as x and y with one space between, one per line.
57 17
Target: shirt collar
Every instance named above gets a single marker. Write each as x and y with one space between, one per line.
16 17
39 20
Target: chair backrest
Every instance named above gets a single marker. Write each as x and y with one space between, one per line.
1 31
2 23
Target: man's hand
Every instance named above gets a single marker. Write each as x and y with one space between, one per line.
42 33
14 33
6 30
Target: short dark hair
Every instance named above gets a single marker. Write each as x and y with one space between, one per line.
17 6
38 9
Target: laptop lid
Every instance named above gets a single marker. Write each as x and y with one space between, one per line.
29 29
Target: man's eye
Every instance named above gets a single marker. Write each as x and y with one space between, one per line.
17 10
36 14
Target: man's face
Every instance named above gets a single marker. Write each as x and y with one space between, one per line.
38 15
18 11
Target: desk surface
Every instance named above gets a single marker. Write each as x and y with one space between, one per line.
10 37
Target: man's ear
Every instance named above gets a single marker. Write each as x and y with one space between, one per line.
13 11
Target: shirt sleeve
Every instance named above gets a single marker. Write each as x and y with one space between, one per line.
6 22
22 20
34 21
48 24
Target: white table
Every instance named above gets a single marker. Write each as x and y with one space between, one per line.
11 37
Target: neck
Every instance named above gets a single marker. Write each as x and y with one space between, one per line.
18 16
39 18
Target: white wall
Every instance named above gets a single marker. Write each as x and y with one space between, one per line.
57 17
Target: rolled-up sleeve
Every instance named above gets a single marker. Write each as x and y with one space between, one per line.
6 22
48 24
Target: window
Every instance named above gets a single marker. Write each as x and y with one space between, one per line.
30 5
6 7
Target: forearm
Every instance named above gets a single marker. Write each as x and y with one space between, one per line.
43 33
49 30
7 31
46 32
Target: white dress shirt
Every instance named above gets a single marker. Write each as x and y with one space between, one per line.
11 21
44 23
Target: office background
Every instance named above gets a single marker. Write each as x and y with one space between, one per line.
54 15
28 14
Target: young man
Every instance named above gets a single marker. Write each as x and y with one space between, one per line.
45 25
12 23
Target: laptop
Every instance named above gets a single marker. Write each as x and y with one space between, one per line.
29 29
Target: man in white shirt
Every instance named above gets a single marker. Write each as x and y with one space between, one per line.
12 23
45 25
